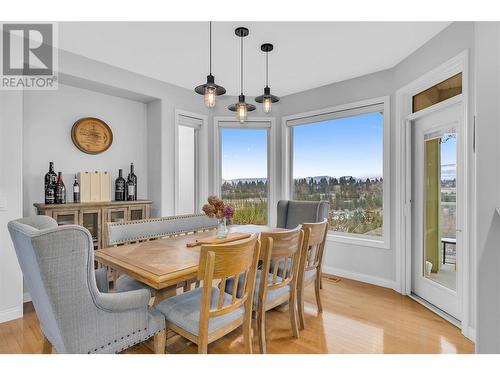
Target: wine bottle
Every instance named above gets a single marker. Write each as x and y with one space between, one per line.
50 175
133 177
120 187
50 192
60 190
130 189
76 191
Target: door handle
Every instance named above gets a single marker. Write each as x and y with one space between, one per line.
458 230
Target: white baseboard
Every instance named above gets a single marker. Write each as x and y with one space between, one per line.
375 280
26 297
11 314
470 333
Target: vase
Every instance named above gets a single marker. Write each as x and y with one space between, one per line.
222 230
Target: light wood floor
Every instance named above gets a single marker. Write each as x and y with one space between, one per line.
357 318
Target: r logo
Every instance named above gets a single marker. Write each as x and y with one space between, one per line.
27 50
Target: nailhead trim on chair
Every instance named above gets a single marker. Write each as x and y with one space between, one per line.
156 235
134 343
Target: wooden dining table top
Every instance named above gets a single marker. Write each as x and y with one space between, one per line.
164 262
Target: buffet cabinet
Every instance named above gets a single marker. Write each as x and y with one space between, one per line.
95 215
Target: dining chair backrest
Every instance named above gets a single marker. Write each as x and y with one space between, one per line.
280 254
220 262
313 245
120 233
291 213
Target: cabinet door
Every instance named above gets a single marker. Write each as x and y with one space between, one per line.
91 219
137 212
65 217
117 214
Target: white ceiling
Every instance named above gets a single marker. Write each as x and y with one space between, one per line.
306 54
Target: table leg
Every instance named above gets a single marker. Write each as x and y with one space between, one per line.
164 294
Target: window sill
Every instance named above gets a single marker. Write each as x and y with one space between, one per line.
358 240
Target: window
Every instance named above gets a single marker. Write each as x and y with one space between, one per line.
187 164
244 172
436 94
338 156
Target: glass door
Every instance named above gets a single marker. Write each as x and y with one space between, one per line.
91 219
436 241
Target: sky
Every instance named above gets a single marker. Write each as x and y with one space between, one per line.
342 147
449 158
244 153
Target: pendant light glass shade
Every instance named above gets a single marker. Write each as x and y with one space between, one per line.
267 99
241 108
210 90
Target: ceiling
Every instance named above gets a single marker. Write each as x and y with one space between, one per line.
306 54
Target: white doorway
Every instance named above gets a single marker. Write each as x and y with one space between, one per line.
436 212
406 116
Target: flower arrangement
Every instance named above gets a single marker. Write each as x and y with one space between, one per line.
217 208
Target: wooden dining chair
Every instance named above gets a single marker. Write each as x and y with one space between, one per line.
208 313
280 254
310 264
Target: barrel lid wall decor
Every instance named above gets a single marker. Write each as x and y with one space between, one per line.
91 135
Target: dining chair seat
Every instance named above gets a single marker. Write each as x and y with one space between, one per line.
184 311
126 283
272 294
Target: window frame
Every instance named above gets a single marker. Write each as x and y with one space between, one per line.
198 129
341 111
267 123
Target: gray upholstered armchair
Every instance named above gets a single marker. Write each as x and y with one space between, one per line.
76 313
293 213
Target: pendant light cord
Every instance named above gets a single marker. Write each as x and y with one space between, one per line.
210 44
241 57
267 69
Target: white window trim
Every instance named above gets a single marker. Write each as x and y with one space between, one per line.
201 164
342 110
252 123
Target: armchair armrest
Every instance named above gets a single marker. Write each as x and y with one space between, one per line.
134 299
101 279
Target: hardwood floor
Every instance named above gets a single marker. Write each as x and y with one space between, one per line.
356 318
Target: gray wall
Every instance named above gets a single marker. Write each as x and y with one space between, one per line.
487 73
48 118
368 263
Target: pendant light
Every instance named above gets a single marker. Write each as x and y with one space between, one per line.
267 99
241 108
210 90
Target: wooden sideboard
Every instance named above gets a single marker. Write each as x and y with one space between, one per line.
95 215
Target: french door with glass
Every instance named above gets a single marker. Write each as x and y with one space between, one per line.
436 209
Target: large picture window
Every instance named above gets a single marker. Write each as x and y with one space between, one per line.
244 173
339 157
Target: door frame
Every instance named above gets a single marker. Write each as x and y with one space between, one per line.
201 163
403 144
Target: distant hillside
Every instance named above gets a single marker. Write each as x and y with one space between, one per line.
315 178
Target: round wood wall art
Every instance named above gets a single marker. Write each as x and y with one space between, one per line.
91 135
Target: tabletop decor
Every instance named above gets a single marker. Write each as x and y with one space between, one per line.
91 135
222 211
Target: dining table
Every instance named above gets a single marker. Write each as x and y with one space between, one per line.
165 263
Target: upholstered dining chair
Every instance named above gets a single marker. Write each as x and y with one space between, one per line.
205 314
125 232
311 258
291 213
283 249
75 312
